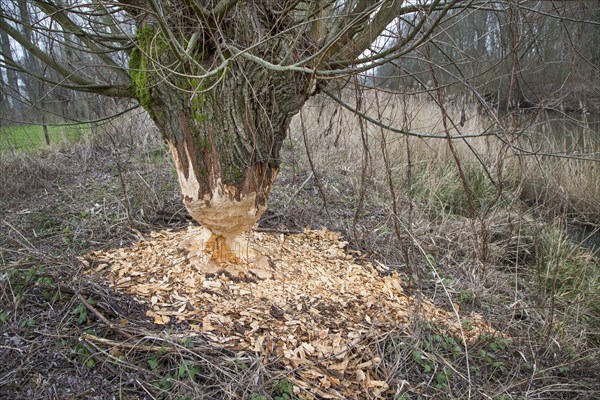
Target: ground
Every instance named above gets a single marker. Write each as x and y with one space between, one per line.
66 332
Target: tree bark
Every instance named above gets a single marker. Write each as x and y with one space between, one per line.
33 87
46 135
225 136
11 96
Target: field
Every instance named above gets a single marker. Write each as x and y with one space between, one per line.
28 137
492 225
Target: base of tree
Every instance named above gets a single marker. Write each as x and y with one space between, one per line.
232 255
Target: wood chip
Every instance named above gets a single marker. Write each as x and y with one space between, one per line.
316 307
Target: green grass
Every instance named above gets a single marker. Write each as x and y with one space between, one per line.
568 278
28 137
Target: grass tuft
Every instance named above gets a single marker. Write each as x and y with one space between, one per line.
568 281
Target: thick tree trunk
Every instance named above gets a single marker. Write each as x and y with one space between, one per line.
224 130
225 142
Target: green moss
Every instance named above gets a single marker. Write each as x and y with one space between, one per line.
152 46
139 78
198 107
198 111
201 141
150 43
232 174
190 84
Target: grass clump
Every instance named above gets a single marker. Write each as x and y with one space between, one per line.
568 281
441 188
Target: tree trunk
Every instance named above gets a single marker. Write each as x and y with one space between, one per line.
33 87
12 99
225 138
46 135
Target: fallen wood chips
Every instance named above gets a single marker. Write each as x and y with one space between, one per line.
319 315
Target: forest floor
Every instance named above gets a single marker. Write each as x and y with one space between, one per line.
67 334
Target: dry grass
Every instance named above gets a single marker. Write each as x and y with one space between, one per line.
498 246
497 232
518 157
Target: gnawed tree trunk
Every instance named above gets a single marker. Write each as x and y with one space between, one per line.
221 79
225 136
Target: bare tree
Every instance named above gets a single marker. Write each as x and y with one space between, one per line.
515 54
11 91
221 79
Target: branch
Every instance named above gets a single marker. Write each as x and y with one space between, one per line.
198 8
68 25
344 49
396 130
342 33
222 7
386 14
172 41
77 82
102 318
394 51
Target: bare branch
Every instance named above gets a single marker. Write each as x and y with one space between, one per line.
80 82
69 26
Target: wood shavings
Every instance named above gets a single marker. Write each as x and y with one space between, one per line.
317 310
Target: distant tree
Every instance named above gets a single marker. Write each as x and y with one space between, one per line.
10 83
516 54
221 79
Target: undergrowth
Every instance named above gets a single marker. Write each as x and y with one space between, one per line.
493 240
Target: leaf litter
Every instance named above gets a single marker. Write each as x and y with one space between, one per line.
319 313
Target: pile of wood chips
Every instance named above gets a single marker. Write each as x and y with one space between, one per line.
319 314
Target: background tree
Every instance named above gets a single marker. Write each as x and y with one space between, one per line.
222 79
515 55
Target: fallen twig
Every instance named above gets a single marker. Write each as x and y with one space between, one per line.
124 345
102 318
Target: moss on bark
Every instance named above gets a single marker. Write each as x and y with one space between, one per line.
139 66
222 127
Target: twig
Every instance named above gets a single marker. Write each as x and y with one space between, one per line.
141 347
90 347
312 165
275 230
102 317
144 388
170 216
299 189
17 265
31 246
